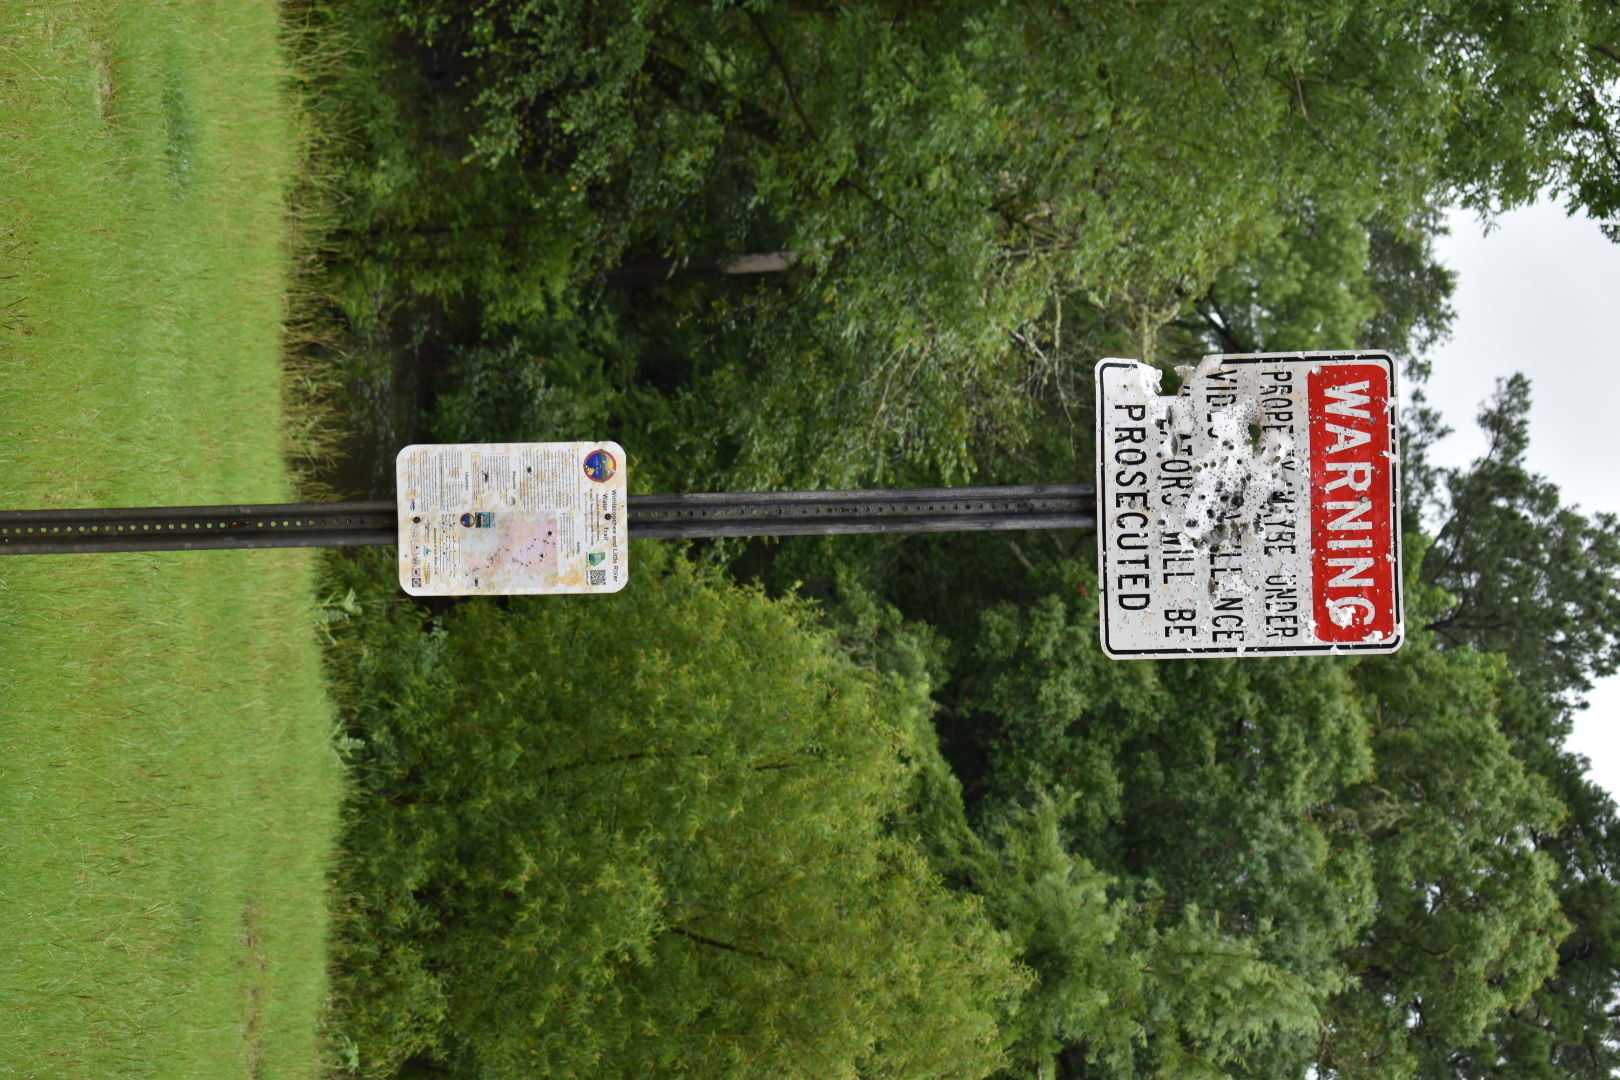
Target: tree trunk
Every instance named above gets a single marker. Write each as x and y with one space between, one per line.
642 272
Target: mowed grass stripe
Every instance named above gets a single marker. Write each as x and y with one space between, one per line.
168 797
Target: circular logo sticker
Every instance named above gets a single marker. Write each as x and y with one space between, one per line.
600 466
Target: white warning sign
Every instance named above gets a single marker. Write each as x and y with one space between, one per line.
512 518
1255 512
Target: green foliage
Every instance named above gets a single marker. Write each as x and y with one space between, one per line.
949 177
1206 869
633 836
1304 290
1516 572
1160 841
1331 281
1363 839
1123 985
1580 121
1467 919
538 380
1568 1028
418 222
1174 791
1529 577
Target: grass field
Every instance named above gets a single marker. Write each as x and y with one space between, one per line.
168 795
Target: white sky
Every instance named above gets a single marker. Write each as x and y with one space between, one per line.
1537 295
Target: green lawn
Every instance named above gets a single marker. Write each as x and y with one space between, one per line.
168 795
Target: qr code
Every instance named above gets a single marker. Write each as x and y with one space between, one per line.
597 577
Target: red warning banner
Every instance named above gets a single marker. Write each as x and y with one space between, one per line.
1353 559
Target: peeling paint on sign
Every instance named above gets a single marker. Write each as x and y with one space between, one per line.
1255 512
496 519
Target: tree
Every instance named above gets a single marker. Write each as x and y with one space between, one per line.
1331 281
1467 916
1569 1027
1527 576
948 172
1167 803
1126 983
642 837
1588 165
1368 830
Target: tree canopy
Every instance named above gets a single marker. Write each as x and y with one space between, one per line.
660 847
881 807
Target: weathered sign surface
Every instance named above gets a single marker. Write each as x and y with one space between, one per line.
1255 512
510 518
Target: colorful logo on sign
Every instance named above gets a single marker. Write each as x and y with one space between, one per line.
600 466
483 519
595 558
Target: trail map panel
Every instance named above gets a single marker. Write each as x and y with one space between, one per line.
1255 512
512 518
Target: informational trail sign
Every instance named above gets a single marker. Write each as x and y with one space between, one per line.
1255 512
512 518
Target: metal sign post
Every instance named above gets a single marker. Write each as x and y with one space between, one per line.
662 517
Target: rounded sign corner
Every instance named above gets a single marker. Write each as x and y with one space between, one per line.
1108 650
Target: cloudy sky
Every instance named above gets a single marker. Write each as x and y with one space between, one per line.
1538 294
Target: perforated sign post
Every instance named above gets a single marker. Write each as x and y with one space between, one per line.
1255 512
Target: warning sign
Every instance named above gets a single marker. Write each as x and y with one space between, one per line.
511 518
1256 511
